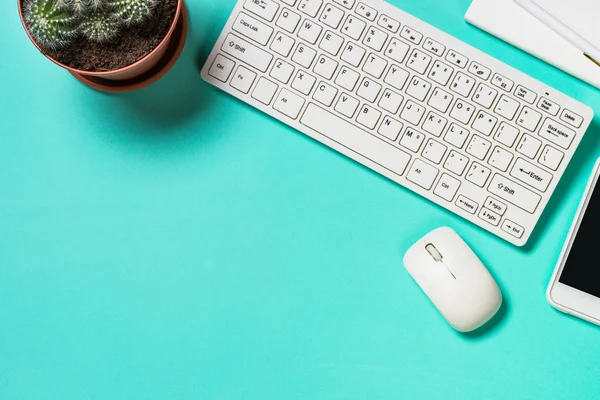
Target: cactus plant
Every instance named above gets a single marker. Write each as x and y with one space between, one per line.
50 25
99 26
132 11
55 23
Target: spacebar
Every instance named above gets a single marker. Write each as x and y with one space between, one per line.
355 139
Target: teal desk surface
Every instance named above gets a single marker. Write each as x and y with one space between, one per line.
174 243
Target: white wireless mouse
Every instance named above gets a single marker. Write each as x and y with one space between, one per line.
454 279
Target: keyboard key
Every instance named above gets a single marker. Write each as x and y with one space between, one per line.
440 100
331 43
478 174
365 11
549 106
304 55
346 3
288 20
247 52
243 79
441 73
390 128
368 117
434 47
462 111
332 16
529 146
264 8
514 229
571 118
434 151
288 103
525 94
252 28
489 216
502 82
514 193
531 175
353 54
325 67
282 71
289 2
412 113
485 95
422 174
411 35
447 187
264 91
390 101
557 133
375 66
347 105
412 139
397 50
456 136
478 147
325 94
347 78
456 58
506 134
310 7
221 68
485 123
467 204
500 158
418 88
507 107
309 31
375 39
495 205
418 61
456 163
353 27
434 124
282 44
389 23
368 90
462 84
479 71
303 82
367 145
529 119
551 157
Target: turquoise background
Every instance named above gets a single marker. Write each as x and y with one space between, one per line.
174 243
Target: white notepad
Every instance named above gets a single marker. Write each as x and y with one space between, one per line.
509 22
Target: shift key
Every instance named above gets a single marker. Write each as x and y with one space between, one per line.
514 193
247 52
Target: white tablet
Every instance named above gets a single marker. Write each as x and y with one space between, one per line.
575 285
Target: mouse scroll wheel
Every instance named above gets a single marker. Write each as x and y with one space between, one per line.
431 249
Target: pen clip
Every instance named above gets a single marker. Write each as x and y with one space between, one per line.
592 59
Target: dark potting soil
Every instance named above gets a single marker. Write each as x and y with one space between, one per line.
131 45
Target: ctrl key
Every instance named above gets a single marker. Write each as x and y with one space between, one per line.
512 228
221 68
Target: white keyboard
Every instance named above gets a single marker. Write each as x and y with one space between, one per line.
420 107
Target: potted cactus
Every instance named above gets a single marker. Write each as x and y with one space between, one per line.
111 45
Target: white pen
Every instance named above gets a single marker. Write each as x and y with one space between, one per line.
589 50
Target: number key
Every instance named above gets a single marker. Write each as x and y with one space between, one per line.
419 61
462 84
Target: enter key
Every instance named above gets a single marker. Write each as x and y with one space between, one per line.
531 175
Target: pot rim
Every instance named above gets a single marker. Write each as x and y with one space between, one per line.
163 42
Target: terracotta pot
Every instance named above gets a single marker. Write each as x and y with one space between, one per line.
141 73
